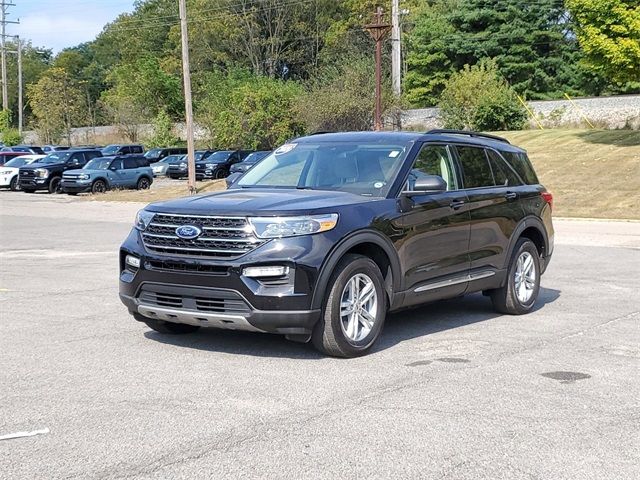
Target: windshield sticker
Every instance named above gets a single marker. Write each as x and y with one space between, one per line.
378 185
286 148
394 153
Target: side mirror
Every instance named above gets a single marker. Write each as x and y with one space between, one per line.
428 184
231 179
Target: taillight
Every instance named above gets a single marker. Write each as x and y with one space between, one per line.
548 197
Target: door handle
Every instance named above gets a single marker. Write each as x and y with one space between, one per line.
456 204
511 195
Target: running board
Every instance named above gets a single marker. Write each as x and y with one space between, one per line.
456 280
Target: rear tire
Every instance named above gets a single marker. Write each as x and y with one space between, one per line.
170 328
520 291
354 309
143 183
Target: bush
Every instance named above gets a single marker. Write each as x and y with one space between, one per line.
476 98
11 137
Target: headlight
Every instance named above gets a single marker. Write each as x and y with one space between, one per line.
209 165
183 165
84 176
143 219
41 172
5 172
275 227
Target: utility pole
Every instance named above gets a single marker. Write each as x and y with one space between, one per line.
186 73
378 32
396 45
3 54
20 107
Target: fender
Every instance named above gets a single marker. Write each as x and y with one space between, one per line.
526 222
357 238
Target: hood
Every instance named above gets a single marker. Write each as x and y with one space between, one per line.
33 166
262 201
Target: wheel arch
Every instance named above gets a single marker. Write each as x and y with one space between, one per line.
368 243
532 228
104 179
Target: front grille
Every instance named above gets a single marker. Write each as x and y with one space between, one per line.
27 173
185 267
222 237
221 301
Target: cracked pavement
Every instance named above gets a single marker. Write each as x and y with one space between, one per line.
452 390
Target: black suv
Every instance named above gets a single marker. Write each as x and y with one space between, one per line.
219 164
330 232
157 154
47 173
111 150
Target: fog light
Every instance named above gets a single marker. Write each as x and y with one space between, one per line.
258 272
133 261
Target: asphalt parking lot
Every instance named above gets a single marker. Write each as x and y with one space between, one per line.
453 390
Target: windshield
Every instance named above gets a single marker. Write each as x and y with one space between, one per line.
255 156
56 157
110 149
172 159
16 162
365 169
153 153
98 164
218 157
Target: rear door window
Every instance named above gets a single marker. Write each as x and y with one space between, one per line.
503 174
476 171
130 163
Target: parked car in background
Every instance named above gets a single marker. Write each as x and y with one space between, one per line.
111 150
106 173
47 173
23 149
249 161
10 170
160 168
219 164
6 156
157 154
54 148
179 169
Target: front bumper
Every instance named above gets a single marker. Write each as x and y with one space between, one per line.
34 183
76 186
215 293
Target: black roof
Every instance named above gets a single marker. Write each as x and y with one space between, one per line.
453 136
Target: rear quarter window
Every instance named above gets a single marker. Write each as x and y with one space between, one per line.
520 162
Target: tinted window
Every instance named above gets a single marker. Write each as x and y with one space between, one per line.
130 163
142 162
521 164
476 171
90 155
434 160
76 159
117 164
503 175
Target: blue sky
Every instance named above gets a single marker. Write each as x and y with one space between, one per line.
57 24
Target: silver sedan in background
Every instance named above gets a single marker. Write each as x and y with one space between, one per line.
160 168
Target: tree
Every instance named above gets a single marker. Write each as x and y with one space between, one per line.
163 135
476 98
531 43
609 35
58 104
244 111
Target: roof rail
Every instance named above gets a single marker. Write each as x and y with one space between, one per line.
468 133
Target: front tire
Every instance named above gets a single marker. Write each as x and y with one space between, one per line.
14 186
99 186
170 328
55 185
219 174
354 309
520 292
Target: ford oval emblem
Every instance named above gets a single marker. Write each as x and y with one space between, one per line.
188 232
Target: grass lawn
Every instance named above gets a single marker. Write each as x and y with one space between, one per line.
592 173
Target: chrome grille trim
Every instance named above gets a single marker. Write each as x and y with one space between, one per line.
222 237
